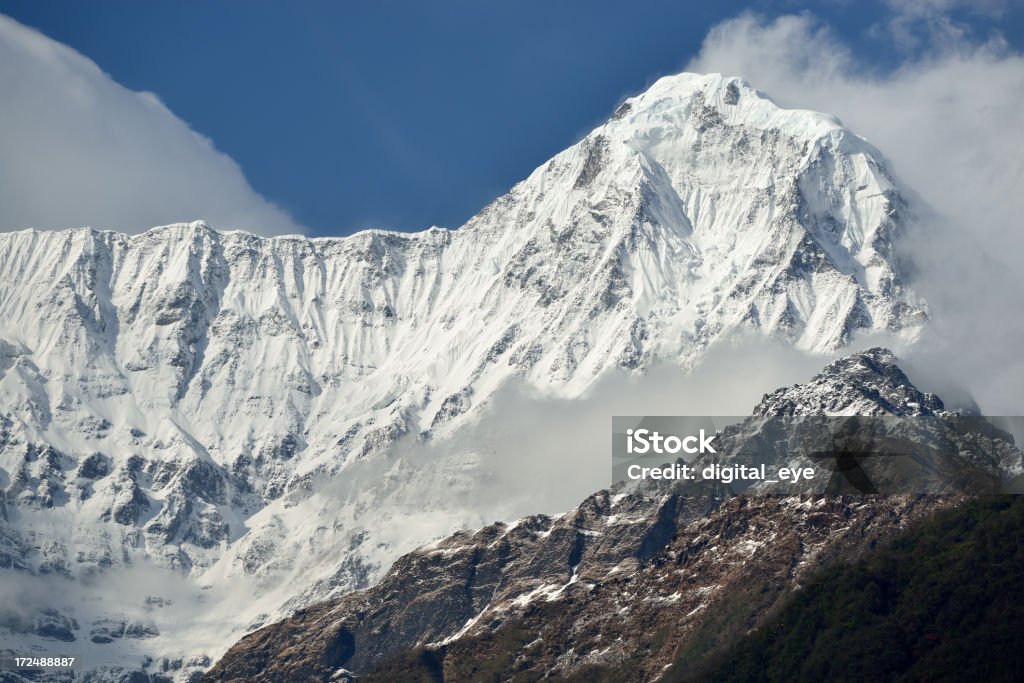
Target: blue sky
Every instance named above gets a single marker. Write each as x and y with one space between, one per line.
406 114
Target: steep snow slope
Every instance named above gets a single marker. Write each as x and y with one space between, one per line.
220 405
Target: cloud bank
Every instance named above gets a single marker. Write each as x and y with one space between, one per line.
949 120
77 148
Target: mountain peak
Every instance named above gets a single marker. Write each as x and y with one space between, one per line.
701 101
865 383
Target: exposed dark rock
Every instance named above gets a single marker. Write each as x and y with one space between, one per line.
454 405
94 466
56 626
595 150
130 501
732 93
105 631
622 110
138 629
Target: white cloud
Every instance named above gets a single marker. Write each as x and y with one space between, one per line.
929 24
77 148
527 452
949 120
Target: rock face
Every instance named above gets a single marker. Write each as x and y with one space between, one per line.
623 582
869 383
178 397
503 602
936 451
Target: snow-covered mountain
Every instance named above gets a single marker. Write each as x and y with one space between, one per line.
219 407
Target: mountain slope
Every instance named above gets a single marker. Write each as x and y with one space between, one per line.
941 603
620 583
183 398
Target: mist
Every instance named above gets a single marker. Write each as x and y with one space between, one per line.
526 452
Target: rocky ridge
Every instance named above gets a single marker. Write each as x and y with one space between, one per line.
626 581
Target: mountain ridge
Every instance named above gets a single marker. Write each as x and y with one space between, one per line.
181 395
590 590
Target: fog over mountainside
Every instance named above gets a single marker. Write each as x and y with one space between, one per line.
280 418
